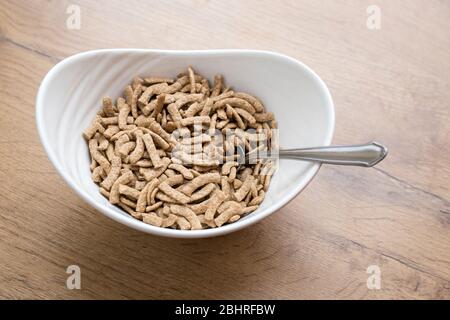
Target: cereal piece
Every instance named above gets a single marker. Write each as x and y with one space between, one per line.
175 114
93 129
187 174
97 174
104 192
140 184
170 173
222 96
115 120
218 83
137 81
165 210
207 106
151 90
114 194
110 131
222 124
229 125
124 110
173 193
233 208
153 207
221 114
236 116
160 142
195 97
193 109
257 200
246 115
254 190
249 209
93 164
98 156
152 218
150 173
226 188
130 211
169 221
126 148
156 128
120 134
245 173
102 142
234 102
178 85
264 117
120 142
129 192
242 192
138 151
203 192
113 174
164 197
128 93
226 167
216 200
234 218
195 120
142 121
200 207
151 149
191 79
212 125
188 214
232 175
145 163
142 198
153 185
158 105
107 107
198 182
205 85
136 93
128 202
203 221
257 168
237 183
154 80
175 180
183 223
251 99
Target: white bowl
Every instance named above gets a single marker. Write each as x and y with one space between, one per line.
71 92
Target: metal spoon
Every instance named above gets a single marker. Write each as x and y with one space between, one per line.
363 155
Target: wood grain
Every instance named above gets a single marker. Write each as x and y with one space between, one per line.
390 84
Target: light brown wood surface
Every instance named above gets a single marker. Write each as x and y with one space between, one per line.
392 85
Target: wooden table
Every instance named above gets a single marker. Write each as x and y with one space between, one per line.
390 84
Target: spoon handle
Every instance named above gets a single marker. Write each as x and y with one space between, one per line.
364 155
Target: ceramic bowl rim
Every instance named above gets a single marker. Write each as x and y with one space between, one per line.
139 225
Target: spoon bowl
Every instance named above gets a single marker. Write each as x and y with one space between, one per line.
71 92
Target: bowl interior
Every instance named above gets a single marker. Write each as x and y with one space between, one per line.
71 93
